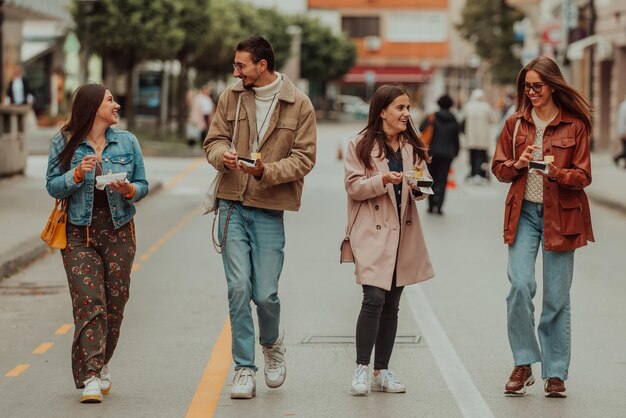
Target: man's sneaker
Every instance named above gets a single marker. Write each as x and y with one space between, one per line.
275 368
105 380
360 381
554 388
387 381
521 377
92 393
244 384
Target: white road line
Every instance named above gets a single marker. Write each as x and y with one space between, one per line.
468 399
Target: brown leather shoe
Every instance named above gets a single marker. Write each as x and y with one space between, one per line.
555 388
521 377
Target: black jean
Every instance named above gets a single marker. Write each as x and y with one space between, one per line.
477 158
438 168
377 324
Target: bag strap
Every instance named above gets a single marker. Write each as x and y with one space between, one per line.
351 224
517 123
236 130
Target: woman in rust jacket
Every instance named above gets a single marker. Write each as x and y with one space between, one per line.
543 208
386 236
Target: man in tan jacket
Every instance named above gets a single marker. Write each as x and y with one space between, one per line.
262 118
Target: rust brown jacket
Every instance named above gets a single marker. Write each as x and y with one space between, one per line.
567 219
287 149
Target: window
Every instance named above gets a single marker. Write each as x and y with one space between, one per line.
361 26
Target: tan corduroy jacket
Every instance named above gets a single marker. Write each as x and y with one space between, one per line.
287 149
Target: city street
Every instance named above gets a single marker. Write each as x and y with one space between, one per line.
173 358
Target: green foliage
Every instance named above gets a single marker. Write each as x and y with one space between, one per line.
325 56
129 31
488 24
232 22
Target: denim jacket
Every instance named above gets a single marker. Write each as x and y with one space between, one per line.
121 153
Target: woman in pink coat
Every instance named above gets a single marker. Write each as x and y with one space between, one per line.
386 236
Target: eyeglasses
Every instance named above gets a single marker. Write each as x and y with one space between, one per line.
238 66
535 86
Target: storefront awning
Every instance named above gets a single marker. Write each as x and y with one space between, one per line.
384 74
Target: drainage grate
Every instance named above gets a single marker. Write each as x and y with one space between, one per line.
349 339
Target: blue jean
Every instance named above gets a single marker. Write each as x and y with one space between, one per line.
253 260
554 329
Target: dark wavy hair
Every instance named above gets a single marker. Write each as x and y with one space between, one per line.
85 103
373 133
259 49
565 96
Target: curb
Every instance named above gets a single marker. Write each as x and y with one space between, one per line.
32 249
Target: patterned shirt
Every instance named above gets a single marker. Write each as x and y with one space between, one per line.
534 184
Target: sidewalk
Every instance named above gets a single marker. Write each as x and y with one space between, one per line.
25 205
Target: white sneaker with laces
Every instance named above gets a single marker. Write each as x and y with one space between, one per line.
244 384
360 381
275 368
386 381
105 380
92 393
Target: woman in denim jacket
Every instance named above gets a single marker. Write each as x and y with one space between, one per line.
100 231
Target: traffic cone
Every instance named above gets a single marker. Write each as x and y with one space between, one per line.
451 184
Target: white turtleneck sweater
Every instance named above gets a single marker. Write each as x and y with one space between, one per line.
265 98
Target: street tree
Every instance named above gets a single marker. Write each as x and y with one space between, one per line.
127 32
232 22
488 25
195 22
325 56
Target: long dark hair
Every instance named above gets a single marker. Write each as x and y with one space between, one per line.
564 96
85 103
373 133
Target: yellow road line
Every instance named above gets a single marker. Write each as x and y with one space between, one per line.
209 389
18 370
43 348
63 329
191 167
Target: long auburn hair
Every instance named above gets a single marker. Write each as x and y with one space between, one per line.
564 96
373 133
85 103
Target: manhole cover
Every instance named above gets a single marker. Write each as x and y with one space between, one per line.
349 339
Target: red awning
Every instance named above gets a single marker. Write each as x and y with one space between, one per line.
380 74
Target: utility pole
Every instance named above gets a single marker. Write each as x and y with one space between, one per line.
1 51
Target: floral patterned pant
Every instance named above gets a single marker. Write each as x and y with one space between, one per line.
99 278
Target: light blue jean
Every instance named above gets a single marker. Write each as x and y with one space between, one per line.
554 325
253 260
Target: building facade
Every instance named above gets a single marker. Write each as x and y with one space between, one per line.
401 41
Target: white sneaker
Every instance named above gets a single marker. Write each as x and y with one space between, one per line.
275 369
387 381
244 384
105 380
92 392
360 381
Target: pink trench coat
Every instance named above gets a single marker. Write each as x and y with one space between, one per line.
379 241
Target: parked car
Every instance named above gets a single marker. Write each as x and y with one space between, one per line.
352 107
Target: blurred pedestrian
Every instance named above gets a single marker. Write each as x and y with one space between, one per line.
386 237
18 91
444 147
621 132
548 209
100 230
276 130
478 117
200 115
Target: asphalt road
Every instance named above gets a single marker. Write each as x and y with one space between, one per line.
173 358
